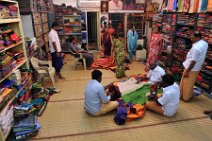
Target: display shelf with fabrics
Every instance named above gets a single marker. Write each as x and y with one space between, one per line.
35 22
168 27
136 20
13 56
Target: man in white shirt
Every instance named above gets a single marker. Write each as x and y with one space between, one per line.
115 5
55 49
97 102
168 103
155 73
193 64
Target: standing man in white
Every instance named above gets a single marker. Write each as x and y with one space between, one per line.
55 49
193 64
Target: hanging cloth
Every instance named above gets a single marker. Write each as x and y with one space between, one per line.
203 6
186 4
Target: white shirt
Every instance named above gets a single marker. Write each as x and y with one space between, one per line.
53 37
170 99
197 53
156 74
94 96
113 6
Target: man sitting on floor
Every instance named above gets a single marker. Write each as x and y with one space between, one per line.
155 73
72 44
96 100
168 103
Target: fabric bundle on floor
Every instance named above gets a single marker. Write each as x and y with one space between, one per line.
128 112
26 127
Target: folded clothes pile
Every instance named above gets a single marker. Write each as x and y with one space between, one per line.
184 32
23 110
185 19
5 95
9 11
26 127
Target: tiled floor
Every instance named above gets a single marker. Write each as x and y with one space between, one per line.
65 119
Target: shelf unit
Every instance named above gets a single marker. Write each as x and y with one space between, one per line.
16 25
168 27
72 26
35 21
138 21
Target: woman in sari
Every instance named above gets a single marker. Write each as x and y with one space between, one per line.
132 39
155 47
107 43
119 45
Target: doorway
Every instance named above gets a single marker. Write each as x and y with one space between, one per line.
92 30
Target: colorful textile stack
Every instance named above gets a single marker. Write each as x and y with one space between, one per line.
204 24
128 112
184 32
8 12
6 93
183 43
184 19
26 127
23 110
40 97
7 64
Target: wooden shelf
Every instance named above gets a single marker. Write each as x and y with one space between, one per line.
74 25
7 21
69 15
12 46
73 34
8 75
9 1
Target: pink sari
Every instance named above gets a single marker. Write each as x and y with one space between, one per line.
154 48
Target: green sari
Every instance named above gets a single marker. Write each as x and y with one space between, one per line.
119 46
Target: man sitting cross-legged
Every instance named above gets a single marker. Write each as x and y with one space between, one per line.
168 103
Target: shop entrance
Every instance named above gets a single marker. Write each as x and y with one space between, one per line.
92 30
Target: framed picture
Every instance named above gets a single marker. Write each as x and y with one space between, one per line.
115 4
104 6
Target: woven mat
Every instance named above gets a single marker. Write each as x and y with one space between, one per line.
69 119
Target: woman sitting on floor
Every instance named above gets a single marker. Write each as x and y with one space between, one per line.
72 45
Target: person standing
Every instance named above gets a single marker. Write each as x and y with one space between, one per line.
119 28
119 45
132 39
55 49
193 64
155 47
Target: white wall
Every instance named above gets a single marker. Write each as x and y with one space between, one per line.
67 2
